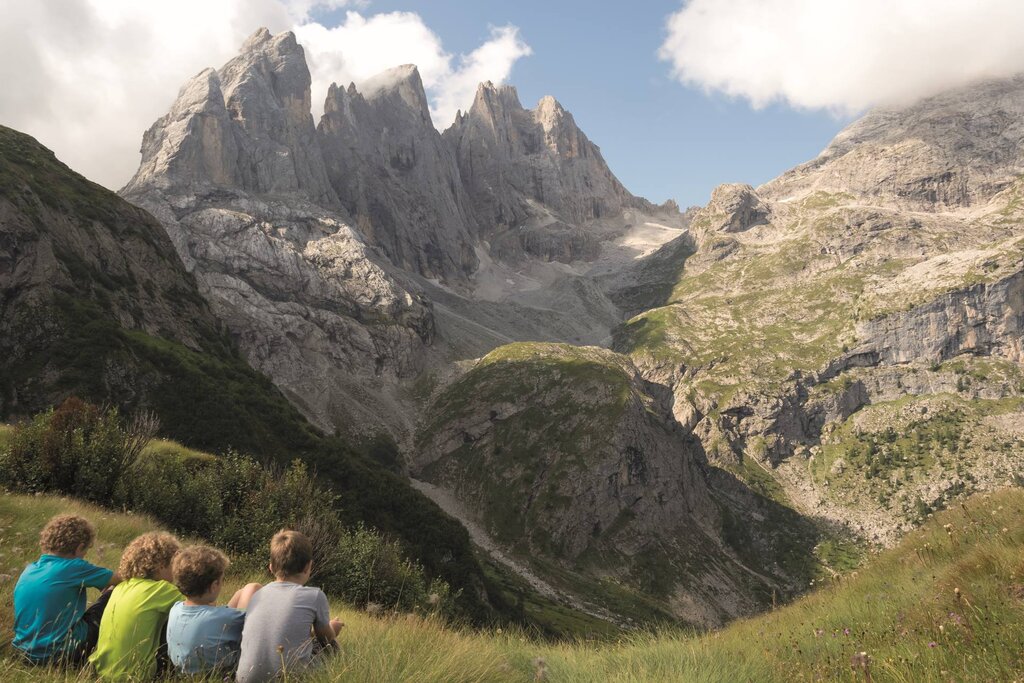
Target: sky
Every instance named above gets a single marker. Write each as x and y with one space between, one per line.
681 95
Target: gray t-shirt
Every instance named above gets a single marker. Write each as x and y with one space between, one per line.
280 615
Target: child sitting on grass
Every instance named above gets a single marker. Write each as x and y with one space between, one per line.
132 627
286 616
202 637
51 622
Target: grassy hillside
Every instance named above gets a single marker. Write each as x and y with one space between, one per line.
947 604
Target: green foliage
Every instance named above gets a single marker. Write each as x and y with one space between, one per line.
366 568
77 449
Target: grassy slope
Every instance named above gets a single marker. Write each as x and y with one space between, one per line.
944 605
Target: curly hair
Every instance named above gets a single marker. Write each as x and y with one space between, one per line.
147 555
65 534
290 552
197 567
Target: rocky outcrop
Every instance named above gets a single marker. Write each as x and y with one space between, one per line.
733 208
986 319
396 177
246 126
952 150
521 164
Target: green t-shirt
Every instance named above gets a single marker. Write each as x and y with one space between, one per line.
130 629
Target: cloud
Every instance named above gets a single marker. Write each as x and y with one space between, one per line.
87 77
842 55
362 47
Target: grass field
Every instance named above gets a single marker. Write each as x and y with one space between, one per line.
945 605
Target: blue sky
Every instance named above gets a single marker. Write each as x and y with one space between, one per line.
661 138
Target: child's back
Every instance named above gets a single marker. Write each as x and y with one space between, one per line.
49 601
278 630
133 622
131 627
203 638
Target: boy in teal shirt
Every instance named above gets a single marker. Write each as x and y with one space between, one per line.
51 623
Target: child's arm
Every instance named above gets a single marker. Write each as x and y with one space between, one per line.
325 633
324 627
114 580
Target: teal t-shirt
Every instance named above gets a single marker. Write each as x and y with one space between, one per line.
49 601
202 638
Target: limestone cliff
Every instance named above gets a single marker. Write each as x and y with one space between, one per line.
396 177
236 175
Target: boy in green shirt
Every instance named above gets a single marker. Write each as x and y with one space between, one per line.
133 622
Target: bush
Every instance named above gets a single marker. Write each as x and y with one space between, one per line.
183 497
365 569
77 449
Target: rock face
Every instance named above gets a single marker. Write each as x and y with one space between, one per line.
520 165
236 175
986 319
396 177
953 150
246 126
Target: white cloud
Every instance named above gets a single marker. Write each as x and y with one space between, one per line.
87 77
362 47
842 55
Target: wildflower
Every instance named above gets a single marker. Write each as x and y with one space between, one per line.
373 609
956 593
846 631
933 644
818 633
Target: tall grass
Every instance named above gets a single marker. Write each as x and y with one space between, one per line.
946 605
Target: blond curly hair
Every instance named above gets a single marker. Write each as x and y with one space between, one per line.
65 534
147 555
197 567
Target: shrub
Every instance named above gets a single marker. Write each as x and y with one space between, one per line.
167 488
365 568
77 449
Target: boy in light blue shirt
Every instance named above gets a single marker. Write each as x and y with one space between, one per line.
202 637
51 623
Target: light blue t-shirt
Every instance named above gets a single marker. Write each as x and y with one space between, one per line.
49 601
203 638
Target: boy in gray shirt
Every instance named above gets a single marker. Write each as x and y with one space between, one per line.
286 618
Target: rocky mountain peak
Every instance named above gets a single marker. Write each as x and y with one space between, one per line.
956 149
395 175
246 126
260 36
400 86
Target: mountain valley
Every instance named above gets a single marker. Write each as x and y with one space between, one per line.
653 415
